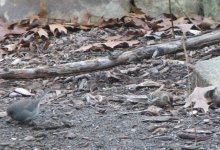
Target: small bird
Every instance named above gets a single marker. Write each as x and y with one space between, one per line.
25 110
161 99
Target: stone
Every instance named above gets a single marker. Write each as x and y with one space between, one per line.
65 9
29 138
207 73
156 8
95 9
212 9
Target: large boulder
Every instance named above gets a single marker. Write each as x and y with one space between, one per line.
207 73
156 7
64 9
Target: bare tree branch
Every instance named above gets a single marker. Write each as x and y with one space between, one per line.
107 62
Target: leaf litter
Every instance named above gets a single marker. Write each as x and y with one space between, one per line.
199 97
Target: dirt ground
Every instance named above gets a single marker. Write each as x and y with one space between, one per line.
91 111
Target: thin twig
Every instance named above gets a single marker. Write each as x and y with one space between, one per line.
170 9
189 88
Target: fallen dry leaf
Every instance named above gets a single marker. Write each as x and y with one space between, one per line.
140 23
113 44
87 47
5 30
41 32
60 28
128 35
102 22
10 47
33 18
185 27
165 24
32 22
180 20
206 23
198 96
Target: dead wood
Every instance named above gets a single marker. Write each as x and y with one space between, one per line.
108 62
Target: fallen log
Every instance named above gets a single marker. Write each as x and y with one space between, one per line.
108 62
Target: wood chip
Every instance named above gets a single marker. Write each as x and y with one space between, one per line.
158 118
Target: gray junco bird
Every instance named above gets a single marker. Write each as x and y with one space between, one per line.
25 110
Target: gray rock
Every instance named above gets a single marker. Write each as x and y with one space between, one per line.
212 9
155 8
207 73
65 9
